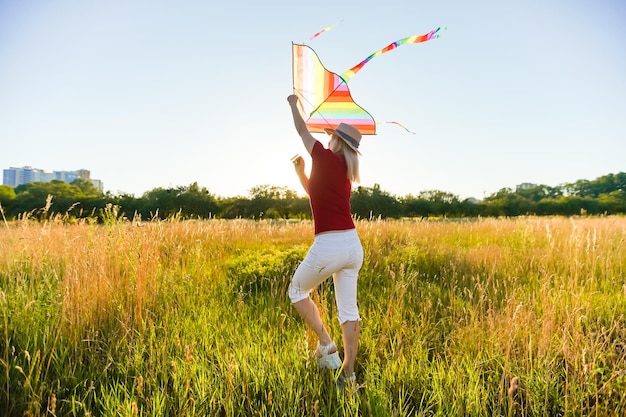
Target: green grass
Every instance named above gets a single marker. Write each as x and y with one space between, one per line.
191 318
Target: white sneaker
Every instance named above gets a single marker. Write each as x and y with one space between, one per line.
347 383
325 359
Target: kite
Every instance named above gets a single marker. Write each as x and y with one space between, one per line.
324 97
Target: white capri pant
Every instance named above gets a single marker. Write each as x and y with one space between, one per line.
339 254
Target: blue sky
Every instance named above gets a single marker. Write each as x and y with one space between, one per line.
148 94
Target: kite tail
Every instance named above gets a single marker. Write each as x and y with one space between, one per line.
325 30
411 39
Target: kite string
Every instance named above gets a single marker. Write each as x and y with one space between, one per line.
304 96
301 94
397 123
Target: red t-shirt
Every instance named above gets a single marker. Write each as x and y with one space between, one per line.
329 190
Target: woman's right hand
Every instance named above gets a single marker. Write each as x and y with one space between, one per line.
292 99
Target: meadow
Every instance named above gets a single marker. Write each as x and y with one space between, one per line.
481 317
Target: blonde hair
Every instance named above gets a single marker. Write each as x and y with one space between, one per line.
339 146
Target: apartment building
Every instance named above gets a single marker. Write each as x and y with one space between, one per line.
17 176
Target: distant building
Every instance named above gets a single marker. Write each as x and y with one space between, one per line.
18 176
525 186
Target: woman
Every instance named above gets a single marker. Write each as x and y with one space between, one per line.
336 250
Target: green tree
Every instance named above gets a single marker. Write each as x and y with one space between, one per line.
613 202
505 202
234 207
270 201
7 195
35 195
442 202
620 181
88 189
159 203
416 206
575 205
549 206
368 203
185 201
539 192
196 202
608 184
580 188
470 207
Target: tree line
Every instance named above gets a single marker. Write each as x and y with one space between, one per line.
80 199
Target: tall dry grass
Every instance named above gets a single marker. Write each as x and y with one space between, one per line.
482 317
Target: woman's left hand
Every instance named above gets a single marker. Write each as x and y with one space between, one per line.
298 164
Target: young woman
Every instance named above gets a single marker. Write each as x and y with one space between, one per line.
336 250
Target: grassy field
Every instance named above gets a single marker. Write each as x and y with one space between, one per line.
191 318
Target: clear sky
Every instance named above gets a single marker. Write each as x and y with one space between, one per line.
148 94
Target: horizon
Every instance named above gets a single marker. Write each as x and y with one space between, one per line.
301 193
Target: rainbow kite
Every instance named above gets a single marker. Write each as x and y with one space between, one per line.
324 97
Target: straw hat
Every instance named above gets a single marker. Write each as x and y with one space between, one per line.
348 133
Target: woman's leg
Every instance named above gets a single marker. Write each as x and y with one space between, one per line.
346 296
311 316
351 331
316 267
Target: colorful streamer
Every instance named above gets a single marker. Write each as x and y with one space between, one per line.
325 30
411 39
